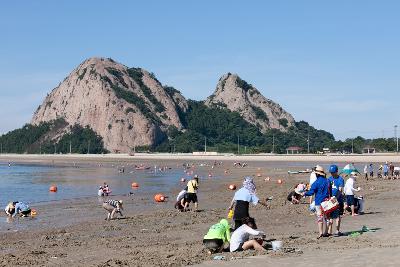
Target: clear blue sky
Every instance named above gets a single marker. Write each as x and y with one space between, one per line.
335 64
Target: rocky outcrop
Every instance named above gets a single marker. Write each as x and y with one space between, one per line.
128 107
237 95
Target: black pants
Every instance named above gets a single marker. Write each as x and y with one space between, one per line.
238 223
213 244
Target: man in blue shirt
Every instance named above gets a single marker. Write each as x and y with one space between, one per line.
337 185
320 188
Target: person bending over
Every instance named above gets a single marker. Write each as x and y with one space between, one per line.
217 236
240 237
113 207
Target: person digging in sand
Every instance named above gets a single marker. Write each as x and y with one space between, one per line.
113 207
217 236
18 208
320 188
241 200
240 237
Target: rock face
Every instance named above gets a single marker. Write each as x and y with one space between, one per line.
237 95
128 107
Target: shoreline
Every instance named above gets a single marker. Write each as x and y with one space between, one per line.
360 158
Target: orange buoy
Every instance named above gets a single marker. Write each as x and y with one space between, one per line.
159 198
279 181
258 174
53 188
183 180
135 185
232 187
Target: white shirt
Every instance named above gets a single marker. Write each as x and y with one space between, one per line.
181 195
365 169
313 178
242 235
349 187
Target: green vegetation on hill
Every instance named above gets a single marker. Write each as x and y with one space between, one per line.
221 129
137 75
35 139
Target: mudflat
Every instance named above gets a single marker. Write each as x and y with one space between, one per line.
74 232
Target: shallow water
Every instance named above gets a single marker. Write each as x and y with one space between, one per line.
30 183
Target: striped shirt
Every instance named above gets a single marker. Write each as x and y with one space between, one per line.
113 203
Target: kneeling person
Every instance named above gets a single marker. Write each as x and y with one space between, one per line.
217 236
240 238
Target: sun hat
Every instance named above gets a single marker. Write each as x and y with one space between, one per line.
300 188
320 170
353 174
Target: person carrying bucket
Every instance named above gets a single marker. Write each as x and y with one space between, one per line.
320 189
241 200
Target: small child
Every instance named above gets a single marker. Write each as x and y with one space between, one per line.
113 207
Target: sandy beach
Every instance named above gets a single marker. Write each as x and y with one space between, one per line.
74 233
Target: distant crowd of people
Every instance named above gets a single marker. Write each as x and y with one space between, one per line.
385 171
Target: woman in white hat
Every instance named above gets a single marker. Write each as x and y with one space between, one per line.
320 188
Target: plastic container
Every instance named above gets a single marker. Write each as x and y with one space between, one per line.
277 245
230 214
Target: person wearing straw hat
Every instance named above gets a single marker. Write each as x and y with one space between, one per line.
320 189
113 207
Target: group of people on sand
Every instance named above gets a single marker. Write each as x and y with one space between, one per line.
245 227
188 195
341 194
385 171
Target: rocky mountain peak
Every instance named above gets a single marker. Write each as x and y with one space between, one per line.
128 107
237 95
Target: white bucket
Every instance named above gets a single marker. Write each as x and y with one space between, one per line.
361 203
277 245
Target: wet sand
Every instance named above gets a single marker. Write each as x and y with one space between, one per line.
74 233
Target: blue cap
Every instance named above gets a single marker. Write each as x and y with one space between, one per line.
333 169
